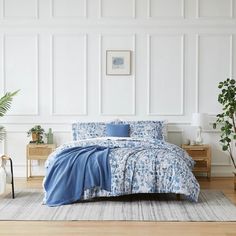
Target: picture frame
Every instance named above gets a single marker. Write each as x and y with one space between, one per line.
118 62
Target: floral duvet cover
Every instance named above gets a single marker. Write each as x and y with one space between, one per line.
141 166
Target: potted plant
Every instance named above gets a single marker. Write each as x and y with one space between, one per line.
227 119
37 134
5 104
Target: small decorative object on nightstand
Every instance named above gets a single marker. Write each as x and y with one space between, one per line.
37 134
199 120
37 152
49 136
201 154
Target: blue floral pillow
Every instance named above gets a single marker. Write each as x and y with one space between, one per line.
84 130
150 129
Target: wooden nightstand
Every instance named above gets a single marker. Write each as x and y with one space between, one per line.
201 154
37 152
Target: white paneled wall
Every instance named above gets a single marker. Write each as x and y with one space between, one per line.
215 8
69 74
69 8
112 88
21 70
20 9
54 51
166 70
120 9
161 8
215 51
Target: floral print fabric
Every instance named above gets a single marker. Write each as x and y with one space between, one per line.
142 166
138 129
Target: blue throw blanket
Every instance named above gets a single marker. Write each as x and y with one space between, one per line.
74 170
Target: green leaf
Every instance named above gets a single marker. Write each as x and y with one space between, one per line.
5 102
225 148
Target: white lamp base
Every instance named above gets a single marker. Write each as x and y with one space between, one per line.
199 139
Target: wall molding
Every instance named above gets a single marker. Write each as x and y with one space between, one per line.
133 76
36 16
101 16
52 100
221 164
3 147
149 15
197 80
85 11
149 36
231 12
36 36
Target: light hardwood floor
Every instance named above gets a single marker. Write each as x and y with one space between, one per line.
105 228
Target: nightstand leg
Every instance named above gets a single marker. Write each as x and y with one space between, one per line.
26 169
208 176
30 169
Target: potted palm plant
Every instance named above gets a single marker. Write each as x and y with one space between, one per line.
227 119
5 104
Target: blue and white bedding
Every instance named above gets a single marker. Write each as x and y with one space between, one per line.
137 165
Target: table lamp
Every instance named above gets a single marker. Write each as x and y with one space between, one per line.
199 120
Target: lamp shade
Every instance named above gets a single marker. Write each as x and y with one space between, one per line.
199 119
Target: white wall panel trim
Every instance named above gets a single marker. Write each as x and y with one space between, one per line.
181 112
133 59
36 8
1 10
3 146
84 113
198 36
221 164
101 15
85 11
197 75
149 15
36 113
2 81
199 16
231 54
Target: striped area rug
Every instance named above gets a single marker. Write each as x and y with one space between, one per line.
212 206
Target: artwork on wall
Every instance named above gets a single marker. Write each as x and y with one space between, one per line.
118 62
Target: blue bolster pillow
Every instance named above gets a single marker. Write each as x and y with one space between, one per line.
117 130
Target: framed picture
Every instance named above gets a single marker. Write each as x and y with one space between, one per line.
118 62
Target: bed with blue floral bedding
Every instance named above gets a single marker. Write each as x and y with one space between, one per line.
137 164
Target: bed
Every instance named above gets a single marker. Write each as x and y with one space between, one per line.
117 158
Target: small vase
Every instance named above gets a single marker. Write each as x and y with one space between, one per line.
49 136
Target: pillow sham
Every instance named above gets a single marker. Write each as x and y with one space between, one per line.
138 129
117 130
149 129
84 130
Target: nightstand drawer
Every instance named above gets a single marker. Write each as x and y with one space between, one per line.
201 154
197 152
200 164
40 151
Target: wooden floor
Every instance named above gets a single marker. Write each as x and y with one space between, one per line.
105 228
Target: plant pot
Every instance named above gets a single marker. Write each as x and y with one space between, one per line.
35 137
